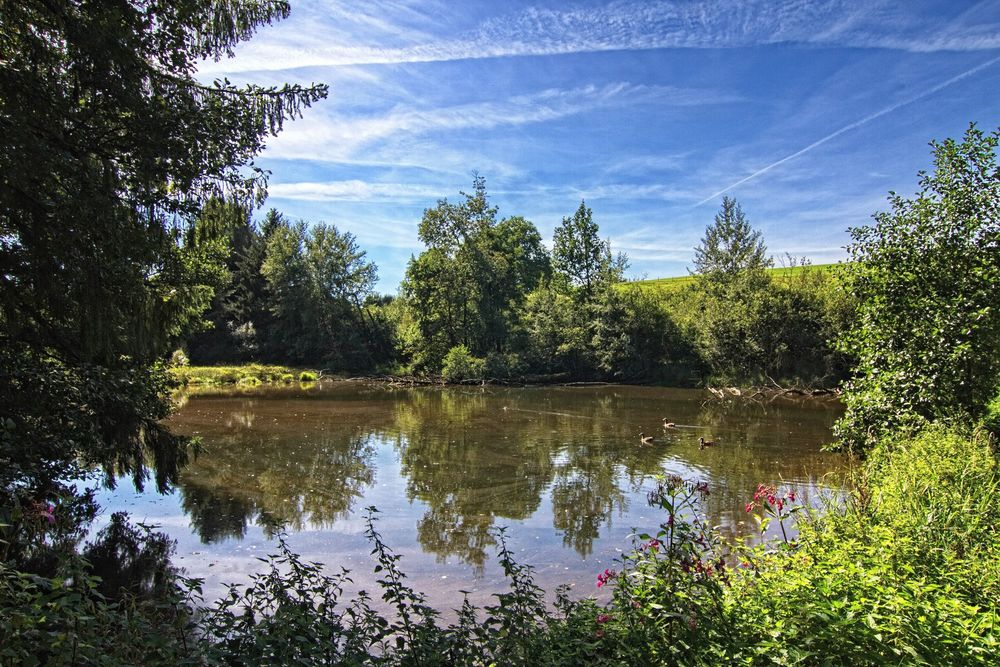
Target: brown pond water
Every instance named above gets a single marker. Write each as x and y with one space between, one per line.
562 468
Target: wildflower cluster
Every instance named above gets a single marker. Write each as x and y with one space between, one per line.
604 577
773 505
704 568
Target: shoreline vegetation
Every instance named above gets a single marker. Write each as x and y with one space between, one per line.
242 375
267 374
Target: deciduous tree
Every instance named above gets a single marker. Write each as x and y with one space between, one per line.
927 326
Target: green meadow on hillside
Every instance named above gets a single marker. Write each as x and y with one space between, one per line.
675 284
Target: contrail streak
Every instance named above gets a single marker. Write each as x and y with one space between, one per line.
855 124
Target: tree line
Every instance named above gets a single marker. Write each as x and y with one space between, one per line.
486 298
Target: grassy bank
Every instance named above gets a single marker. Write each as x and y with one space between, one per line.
677 283
246 374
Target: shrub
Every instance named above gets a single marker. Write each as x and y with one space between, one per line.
459 364
925 275
307 376
906 573
179 358
991 419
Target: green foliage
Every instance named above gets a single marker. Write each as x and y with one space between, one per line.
555 333
634 338
179 358
752 326
991 419
907 573
667 604
468 286
317 283
731 247
245 373
120 603
927 327
307 376
581 257
937 493
459 364
100 281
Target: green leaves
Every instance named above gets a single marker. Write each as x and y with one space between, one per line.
731 247
582 258
927 332
468 286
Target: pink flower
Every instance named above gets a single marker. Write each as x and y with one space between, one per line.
791 496
605 577
45 511
603 618
749 507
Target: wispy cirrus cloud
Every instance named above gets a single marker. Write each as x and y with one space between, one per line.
329 34
856 124
334 137
357 190
354 190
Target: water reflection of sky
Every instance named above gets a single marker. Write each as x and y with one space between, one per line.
562 468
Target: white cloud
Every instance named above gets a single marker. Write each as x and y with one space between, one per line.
335 35
353 190
324 135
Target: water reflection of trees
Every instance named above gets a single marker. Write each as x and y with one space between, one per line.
254 473
478 458
762 442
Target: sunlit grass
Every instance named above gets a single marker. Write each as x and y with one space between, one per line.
677 283
245 374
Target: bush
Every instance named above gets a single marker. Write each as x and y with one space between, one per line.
907 573
925 275
459 364
179 358
991 419
307 376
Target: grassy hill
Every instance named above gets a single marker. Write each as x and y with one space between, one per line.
671 285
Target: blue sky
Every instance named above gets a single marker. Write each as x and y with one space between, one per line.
808 113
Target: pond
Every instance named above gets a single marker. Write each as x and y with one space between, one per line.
562 468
